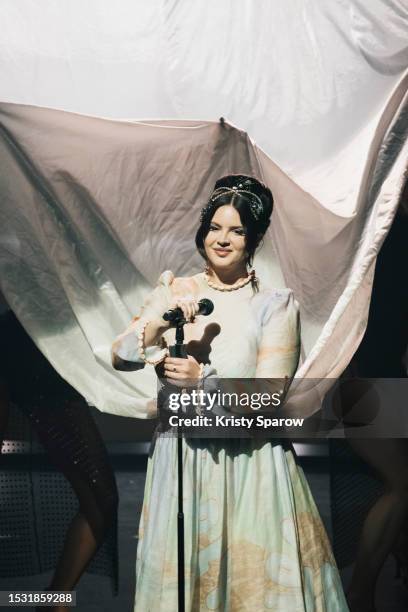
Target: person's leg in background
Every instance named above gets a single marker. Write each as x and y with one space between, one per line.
385 523
75 446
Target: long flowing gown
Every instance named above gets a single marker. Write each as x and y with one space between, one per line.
254 540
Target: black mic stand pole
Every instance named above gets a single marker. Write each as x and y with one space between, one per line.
179 350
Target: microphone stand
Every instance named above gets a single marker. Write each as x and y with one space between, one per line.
179 350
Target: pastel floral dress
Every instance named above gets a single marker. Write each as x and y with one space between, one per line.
254 540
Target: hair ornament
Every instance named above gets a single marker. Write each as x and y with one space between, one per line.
255 202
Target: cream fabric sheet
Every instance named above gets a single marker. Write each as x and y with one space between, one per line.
93 210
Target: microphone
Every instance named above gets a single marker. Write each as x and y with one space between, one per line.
174 315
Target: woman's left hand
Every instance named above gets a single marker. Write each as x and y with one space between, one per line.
179 370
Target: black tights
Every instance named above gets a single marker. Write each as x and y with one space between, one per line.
73 442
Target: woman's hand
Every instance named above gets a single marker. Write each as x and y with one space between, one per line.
188 304
178 371
156 328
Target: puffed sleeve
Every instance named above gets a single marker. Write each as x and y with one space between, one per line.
279 344
278 347
129 348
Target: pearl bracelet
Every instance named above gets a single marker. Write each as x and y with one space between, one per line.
142 348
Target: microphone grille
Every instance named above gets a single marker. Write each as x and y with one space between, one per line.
206 306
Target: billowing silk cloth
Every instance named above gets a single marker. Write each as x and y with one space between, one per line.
93 209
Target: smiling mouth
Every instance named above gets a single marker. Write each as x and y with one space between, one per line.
222 251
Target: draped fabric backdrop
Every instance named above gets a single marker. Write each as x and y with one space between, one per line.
93 209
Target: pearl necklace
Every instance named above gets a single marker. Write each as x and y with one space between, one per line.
238 285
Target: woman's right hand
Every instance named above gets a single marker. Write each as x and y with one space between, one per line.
188 304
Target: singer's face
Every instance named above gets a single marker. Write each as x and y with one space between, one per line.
225 242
